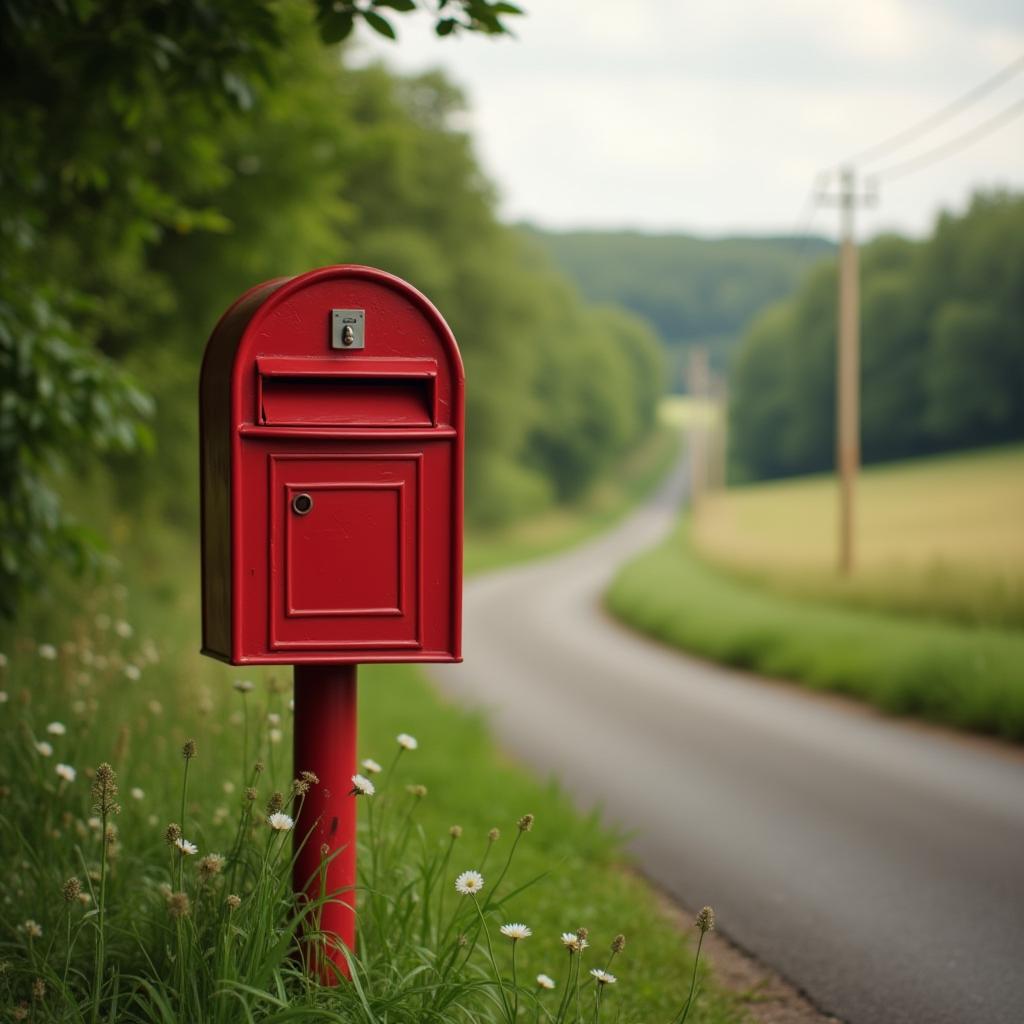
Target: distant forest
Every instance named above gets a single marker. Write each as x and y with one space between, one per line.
942 350
694 291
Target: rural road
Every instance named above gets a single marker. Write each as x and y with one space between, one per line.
876 864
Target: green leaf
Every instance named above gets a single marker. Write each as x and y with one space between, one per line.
337 26
379 24
445 27
396 5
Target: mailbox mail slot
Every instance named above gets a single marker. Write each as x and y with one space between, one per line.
332 479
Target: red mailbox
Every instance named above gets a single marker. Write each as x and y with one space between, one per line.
331 433
332 454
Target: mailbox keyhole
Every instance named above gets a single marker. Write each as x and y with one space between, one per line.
301 504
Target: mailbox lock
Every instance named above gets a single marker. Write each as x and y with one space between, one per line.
301 504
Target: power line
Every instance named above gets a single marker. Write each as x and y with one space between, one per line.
915 131
954 145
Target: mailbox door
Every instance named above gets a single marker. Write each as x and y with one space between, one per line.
345 533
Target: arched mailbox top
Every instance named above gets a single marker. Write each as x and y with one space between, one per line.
332 450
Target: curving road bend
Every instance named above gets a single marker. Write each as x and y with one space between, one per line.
876 864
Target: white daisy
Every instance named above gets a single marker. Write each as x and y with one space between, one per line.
275 735
123 629
273 718
362 786
137 793
573 942
47 652
186 847
56 728
406 742
242 685
66 772
543 981
44 748
371 766
469 883
603 977
32 929
515 932
280 822
133 672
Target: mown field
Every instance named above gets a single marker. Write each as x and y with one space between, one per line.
940 536
929 626
119 674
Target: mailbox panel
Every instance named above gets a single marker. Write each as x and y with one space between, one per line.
344 551
332 471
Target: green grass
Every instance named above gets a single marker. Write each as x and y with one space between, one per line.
940 536
132 694
968 677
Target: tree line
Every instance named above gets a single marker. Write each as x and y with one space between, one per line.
159 160
942 350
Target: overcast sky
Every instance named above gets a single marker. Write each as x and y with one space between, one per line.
714 116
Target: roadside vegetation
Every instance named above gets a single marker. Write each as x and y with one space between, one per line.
932 667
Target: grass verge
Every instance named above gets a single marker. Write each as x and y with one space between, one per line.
957 675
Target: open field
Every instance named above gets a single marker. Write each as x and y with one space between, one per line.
940 536
958 675
124 678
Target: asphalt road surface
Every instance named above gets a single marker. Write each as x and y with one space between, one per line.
877 864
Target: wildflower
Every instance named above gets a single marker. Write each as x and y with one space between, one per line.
259 767
455 831
3 660
618 943
406 742
172 833
4 699
133 672
84 898
280 822
515 932
56 728
469 883
705 920
525 823
371 766
361 786
66 772
178 905
137 793
543 981
602 977
187 848
47 652
275 735
123 629
232 902
39 989
228 786
20 1012
188 750
95 823
71 889
32 929
155 707
44 748
275 803
250 793
212 864
573 942
306 780
582 934
418 791
273 718
494 835
104 789
243 685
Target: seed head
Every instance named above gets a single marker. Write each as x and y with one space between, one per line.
618 943
172 834
104 790
20 1012
39 989
250 793
232 902
71 889
455 831
210 865
178 905
417 790
259 767
705 920
525 823
543 981
275 803
188 751
302 785
494 835
582 934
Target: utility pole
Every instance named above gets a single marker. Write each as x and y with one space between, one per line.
848 363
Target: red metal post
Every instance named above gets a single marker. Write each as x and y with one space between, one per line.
325 743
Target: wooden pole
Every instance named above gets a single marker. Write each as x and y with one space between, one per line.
848 374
